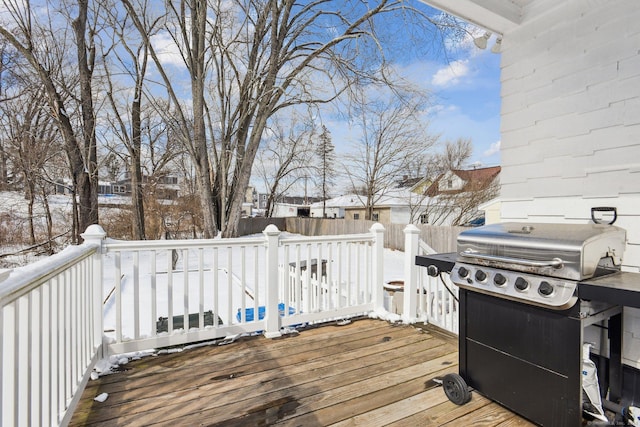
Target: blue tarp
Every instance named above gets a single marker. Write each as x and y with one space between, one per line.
249 313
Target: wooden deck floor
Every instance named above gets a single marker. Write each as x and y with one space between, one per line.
368 372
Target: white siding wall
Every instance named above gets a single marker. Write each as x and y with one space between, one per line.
571 121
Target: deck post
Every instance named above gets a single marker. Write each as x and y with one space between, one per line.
411 243
377 230
95 235
272 317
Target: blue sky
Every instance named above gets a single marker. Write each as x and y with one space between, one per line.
468 103
465 97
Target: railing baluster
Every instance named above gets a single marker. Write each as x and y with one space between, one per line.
200 288
154 292
35 353
230 290
47 353
169 253
215 270
243 285
118 273
256 286
136 294
10 357
185 289
285 280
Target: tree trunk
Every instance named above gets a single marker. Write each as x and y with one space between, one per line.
137 203
47 212
87 178
31 200
203 168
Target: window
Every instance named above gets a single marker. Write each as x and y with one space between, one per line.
375 217
356 216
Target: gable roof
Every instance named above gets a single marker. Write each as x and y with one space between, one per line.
394 198
474 180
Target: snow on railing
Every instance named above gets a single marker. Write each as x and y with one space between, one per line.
50 336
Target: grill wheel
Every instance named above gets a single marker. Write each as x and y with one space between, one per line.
456 389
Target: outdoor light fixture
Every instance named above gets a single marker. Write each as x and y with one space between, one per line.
496 47
481 41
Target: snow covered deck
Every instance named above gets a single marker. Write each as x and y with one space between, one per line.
367 372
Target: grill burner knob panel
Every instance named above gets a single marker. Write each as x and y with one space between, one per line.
545 291
545 288
481 276
521 284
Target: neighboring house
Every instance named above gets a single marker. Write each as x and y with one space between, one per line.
455 197
166 187
395 207
284 210
459 181
333 208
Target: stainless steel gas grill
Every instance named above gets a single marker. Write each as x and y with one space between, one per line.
538 264
522 313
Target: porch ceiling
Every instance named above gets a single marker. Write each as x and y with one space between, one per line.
498 16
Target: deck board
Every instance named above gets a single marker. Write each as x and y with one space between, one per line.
368 372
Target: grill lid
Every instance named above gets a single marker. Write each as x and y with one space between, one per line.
568 251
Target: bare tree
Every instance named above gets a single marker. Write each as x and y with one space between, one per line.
129 57
325 151
43 41
284 159
255 59
393 136
30 138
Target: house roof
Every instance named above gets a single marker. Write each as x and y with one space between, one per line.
498 16
474 179
396 197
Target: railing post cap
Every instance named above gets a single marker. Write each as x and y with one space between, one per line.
94 231
377 227
271 230
410 228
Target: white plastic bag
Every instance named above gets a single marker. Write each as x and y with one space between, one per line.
631 416
591 401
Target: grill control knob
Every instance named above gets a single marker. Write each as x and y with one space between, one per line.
545 288
521 284
481 276
499 280
463 272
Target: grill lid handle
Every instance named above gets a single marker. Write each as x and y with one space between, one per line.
555 262
604 209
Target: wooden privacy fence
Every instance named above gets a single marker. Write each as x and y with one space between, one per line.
440 238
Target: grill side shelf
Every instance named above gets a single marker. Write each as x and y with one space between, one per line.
621 288
443 262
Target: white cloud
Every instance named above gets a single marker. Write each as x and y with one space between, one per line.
493 149
167 50
451 73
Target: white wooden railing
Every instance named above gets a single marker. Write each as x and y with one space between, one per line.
59 316
236 284
50 336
